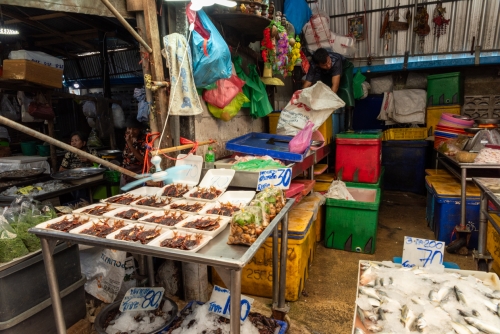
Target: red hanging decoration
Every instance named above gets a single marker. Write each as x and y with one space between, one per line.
440 22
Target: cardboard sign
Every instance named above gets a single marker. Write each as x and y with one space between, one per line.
422 252
220 303
142 299
279 178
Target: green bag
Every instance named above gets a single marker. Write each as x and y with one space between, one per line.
345 91
357 84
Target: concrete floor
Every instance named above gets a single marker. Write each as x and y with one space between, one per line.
326 305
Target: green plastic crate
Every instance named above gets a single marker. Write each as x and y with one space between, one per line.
363 134
100 192
379 183
352 225
446 88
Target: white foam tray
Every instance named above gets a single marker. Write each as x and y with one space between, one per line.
184 201
217 178
217 205
100 221
167 235
144 191
223 224
172 199
237 197
58 219
112 214
80 211
161 213
162 189
104 200
111 236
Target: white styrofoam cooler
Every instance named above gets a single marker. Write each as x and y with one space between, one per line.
38 57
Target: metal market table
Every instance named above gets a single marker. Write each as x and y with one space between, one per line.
228 260
459 170
490 191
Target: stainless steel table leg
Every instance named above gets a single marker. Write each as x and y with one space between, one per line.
283 260
481 241
275 266
47 251
463 193
151 270
235 307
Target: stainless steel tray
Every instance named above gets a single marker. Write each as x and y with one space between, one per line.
77 173
31 172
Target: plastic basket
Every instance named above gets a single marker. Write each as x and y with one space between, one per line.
405 134
112 176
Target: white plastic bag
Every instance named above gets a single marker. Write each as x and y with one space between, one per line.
338 190
105 270
381 85
8 109
89 109
118 116
315 104
343 45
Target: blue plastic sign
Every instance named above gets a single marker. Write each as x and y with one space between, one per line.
220 303
278 178
422 252
142 299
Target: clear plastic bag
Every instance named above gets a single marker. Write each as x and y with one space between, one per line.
246 226
11 245
266 210
276 199
302 140
94 140
8 110
451 147
230 110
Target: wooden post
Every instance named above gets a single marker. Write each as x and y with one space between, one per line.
53 155
157 72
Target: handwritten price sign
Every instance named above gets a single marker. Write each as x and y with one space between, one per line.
422 252
279 178
220 303
142 299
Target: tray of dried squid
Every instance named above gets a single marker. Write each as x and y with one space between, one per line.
187 206
175 190
96 210
213 185
99 228
181 240
65 223
208 225
122 199
128 214
142 233
153 202
226 209
209 194
165 218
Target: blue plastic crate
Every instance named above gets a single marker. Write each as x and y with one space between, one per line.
338 119
255 143
447 216
404 162
366 113
429 208
283 324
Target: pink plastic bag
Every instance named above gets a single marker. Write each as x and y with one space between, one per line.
302 140
226 91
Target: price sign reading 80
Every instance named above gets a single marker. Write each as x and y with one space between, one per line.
279 178
422 252
137 299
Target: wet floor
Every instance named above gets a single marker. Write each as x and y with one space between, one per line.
326 305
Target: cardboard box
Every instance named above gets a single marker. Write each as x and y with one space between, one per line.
33 72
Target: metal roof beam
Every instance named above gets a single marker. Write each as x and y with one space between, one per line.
39 18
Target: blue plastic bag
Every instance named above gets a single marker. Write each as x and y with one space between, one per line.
297 13
211 56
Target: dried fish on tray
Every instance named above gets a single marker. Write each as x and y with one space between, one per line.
65 223
127 213
96 209
210 193
100 228
181 240
174 190
208 225
124 199
165 218
136 233
222 209
154 201
187 206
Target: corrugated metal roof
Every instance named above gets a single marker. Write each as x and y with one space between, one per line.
469 18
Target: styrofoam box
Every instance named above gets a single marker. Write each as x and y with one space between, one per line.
146 227
184 201
191 176
237 197
144 191
223 221
161 213
38 57
490 278
170 234
80 211
171 200
217 178
136 197
112 214
101 221
58 219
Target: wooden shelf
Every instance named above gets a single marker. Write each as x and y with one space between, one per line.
249 25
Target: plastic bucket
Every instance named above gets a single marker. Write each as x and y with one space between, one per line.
28 148
43 150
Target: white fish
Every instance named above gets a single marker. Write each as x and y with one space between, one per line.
482 326
472 329
459 328
381 314
407 317
421 323
374 328
419 301
370 315
460 295
370 292
491 306
444 293
433 296
373 302
358 331
382 293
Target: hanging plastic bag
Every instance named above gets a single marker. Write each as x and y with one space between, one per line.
297 13
118 116
358 85
302 140
93 140
226 91
89 109
230 110
8 109
211 56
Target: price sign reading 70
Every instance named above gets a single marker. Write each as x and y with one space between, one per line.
422 252
279 178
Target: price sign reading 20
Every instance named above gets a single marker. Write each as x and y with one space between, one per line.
279 178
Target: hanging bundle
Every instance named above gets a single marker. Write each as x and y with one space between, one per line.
440 22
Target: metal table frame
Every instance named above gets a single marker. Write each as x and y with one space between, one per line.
484 216
227 259
451 165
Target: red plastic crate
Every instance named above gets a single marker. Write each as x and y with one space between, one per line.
359 159
294 189
308 185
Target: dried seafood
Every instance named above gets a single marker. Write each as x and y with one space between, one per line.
99 210
68 223
123 199
204 224
20 173
155 202
194 207
264 324
184 242
169 218
132 214
103 228
224 209
138 233
175 190
206 193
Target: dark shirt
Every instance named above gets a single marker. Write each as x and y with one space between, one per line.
316 73
129 157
